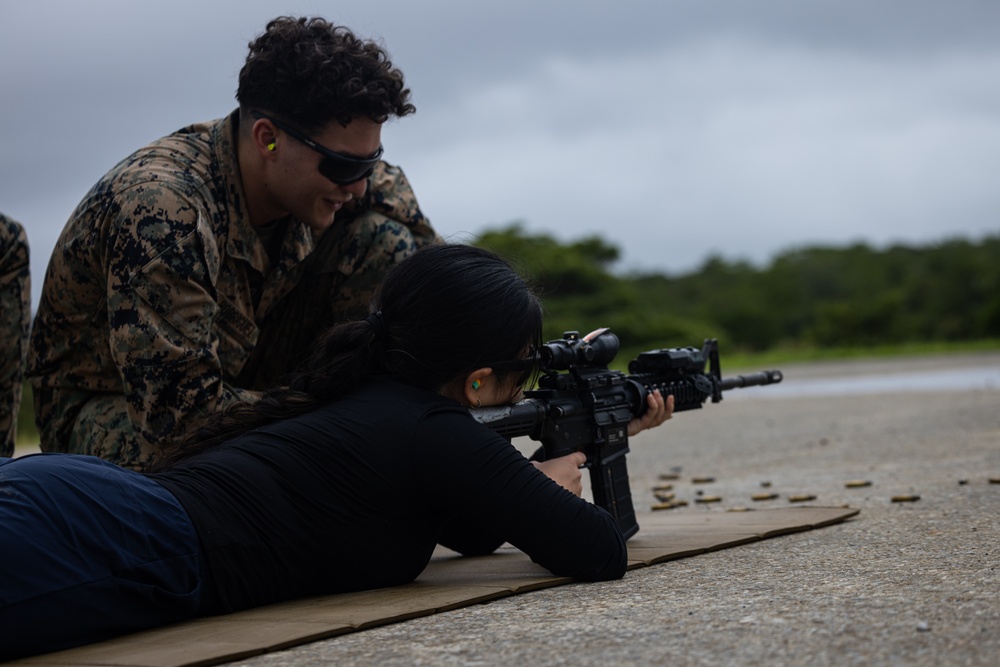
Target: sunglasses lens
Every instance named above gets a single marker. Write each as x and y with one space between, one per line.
344 172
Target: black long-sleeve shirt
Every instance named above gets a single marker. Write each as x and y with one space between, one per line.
356 494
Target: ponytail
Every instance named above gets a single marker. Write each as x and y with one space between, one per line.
339 363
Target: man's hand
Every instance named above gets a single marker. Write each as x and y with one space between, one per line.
565 471
658 411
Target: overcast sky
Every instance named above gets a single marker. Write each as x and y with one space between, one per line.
673 129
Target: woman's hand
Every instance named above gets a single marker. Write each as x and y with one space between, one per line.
565 471
658 411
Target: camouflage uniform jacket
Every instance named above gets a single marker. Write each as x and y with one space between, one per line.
156 289
15 320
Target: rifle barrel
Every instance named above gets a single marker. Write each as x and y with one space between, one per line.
752 380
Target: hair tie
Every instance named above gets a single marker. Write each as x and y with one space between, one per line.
377 323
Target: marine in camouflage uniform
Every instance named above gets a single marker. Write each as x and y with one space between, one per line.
162 304
15 321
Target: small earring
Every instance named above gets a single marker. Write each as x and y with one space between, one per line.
271 146
479 403
476 385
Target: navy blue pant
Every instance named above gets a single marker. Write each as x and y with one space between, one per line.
89 551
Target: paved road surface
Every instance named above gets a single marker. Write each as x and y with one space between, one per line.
902 584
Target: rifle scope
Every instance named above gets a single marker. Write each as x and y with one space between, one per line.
595 350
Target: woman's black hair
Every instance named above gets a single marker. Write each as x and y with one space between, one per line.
440 314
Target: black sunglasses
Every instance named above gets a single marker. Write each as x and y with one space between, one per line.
528 365
339 168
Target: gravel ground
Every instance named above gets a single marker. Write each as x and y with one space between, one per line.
903 583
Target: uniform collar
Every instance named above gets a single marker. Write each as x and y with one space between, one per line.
243 241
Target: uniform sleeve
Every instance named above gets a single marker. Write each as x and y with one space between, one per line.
15 322
390 195
495 494
161 306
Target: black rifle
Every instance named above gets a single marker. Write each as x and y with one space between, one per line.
588 407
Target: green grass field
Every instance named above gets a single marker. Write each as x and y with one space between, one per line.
792 355
776 357
27 434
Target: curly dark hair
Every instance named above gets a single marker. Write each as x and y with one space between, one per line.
311 72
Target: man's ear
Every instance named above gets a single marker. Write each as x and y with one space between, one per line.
264 137
474 383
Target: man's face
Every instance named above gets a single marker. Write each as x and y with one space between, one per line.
302 189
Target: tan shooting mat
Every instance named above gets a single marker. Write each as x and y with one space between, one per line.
449 582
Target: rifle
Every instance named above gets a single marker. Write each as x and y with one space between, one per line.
588 407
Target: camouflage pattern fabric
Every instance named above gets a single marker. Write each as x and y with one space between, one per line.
342 273
161 305
15 321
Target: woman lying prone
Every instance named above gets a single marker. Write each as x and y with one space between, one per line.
344 480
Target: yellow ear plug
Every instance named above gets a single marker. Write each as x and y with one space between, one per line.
271 146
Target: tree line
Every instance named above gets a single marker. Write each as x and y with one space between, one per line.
814 296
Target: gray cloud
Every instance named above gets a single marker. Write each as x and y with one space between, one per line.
762 147
674 129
